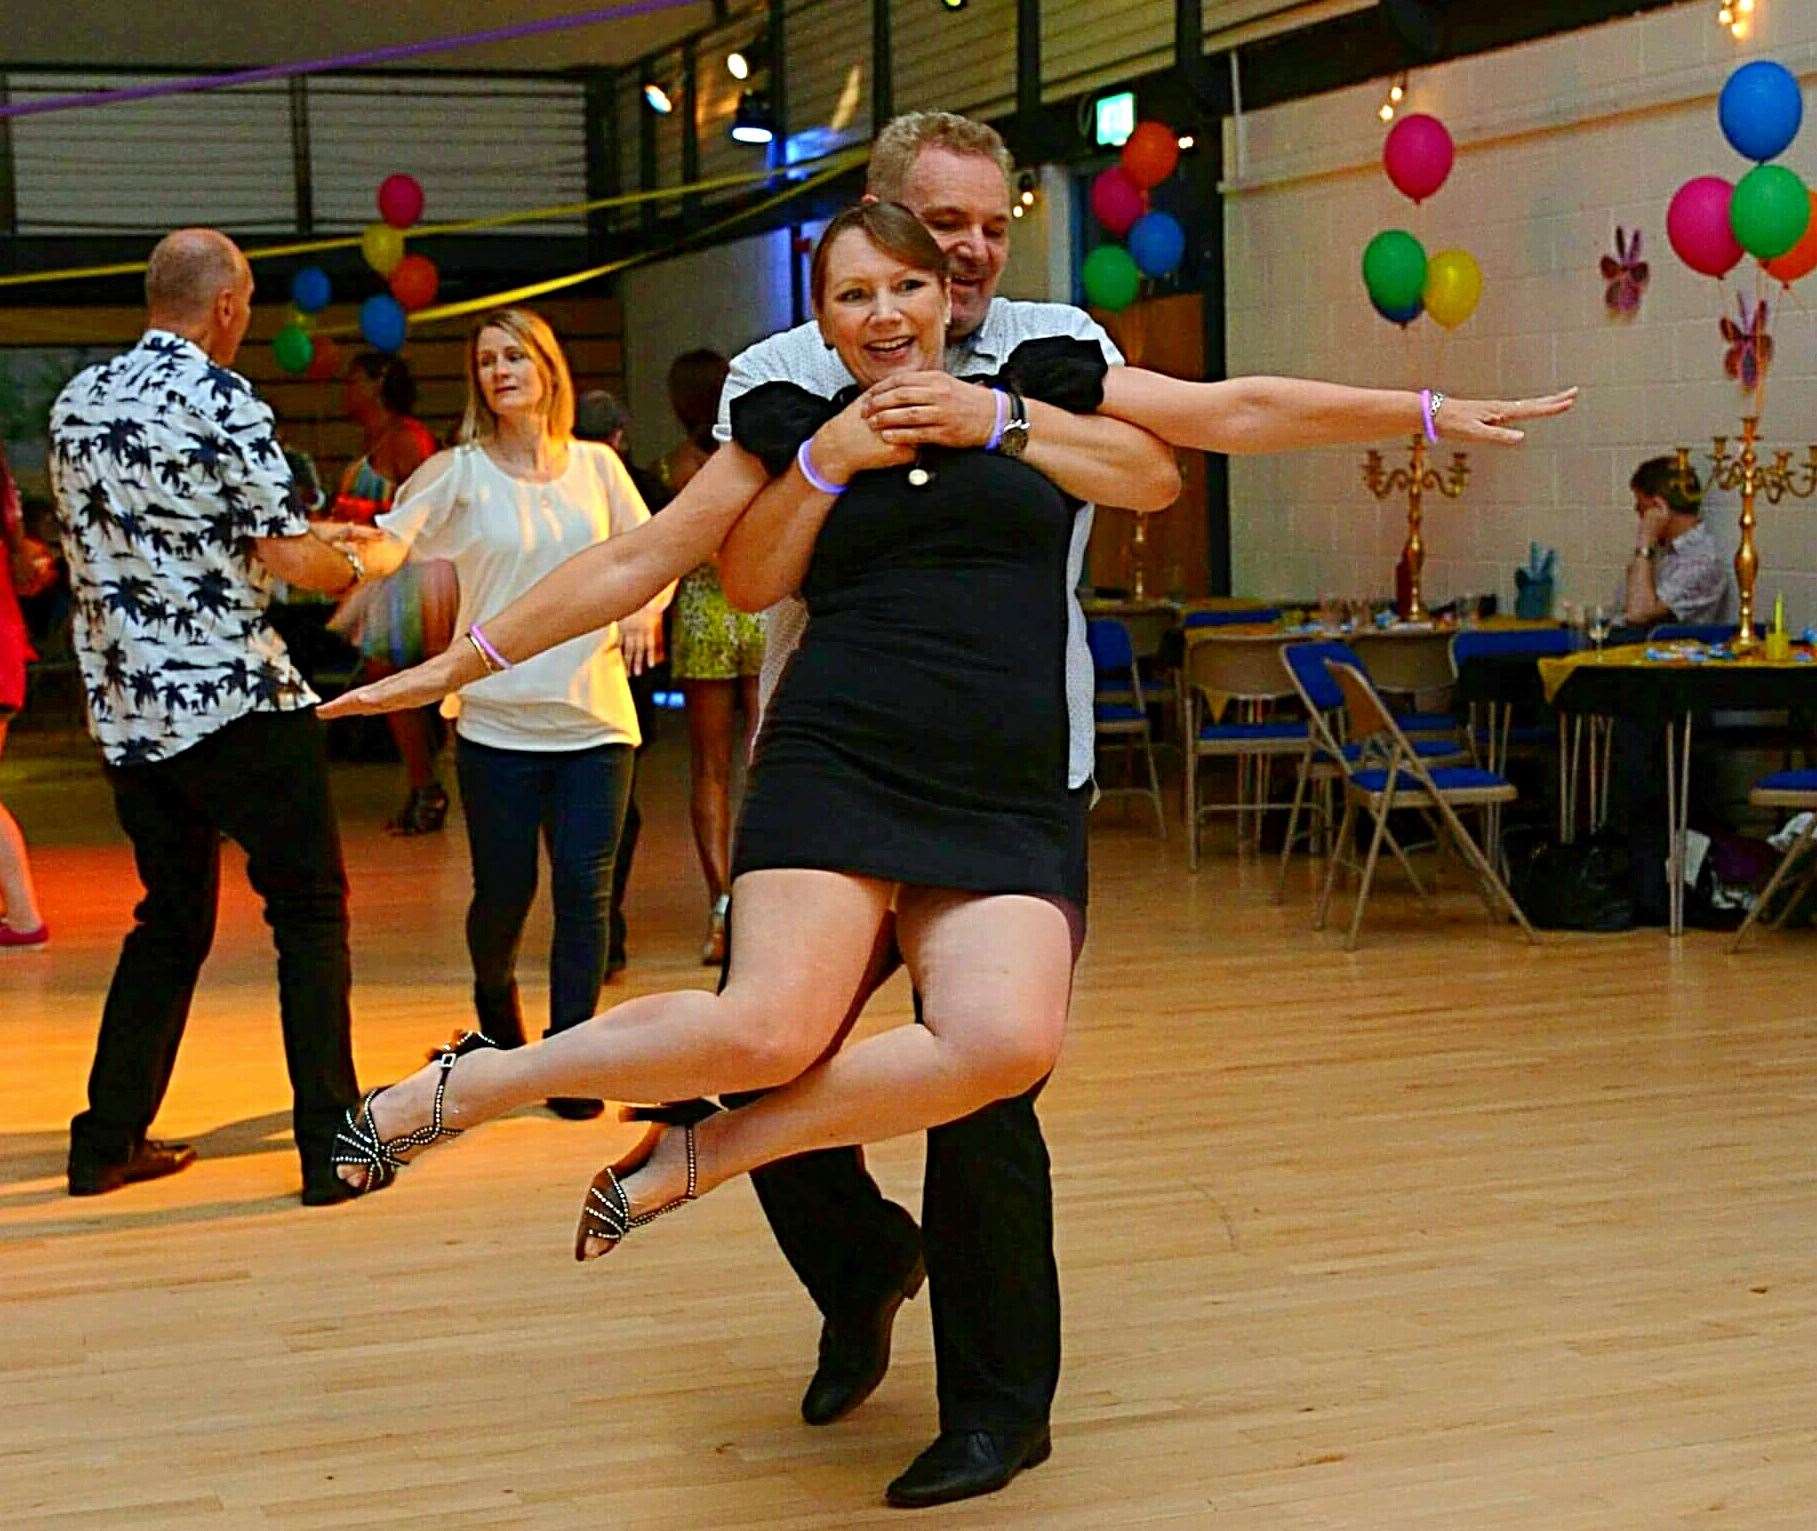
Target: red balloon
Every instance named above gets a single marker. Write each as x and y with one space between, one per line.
1697 224
326 364
1418 155
1150 153
400 200
1801 260
414 281
1116 201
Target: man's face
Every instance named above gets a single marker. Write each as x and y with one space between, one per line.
964 201
1654 514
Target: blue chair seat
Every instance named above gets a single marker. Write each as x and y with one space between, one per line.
1425 722
1246 733
1788 781
1118 712
1445 778
1426 749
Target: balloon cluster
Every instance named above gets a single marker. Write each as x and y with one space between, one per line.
1119 201
411 281
1403 281
1770 213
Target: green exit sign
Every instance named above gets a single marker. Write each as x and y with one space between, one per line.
1114 119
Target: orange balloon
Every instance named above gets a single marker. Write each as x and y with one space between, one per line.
413 282
1150 154
1801 259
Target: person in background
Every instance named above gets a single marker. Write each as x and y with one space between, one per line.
408 618
718 653
1677 573
599 416
175 504
544 749
28 568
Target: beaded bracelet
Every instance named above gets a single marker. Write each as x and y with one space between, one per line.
805 462
494 661
1431 402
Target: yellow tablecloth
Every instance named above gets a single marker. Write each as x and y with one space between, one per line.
1553 673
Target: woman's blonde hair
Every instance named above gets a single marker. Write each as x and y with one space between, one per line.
530 330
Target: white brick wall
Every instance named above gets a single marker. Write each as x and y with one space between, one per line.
1558 142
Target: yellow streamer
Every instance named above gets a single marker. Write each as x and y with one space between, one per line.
837 163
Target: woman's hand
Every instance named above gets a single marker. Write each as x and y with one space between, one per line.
1488 420
418 686
849 444
640 640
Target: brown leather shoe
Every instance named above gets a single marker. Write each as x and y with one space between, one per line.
151 1160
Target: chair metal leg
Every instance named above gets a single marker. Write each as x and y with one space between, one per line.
1293 824
1375 851
1564 780
1469 849
1795 896
1154 785
1191 788
1794 852
1337 859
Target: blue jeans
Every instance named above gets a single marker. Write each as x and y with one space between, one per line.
576 800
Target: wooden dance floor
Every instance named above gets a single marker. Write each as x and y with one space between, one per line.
1450 1233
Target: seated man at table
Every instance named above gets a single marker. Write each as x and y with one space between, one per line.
1676 574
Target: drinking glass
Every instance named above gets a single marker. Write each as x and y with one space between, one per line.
1600 624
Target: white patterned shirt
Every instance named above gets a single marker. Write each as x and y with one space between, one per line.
802 357
165 467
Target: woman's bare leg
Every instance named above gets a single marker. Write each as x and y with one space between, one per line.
709 707
18 894
995 975
805 941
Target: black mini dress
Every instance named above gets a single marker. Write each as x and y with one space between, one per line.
919 733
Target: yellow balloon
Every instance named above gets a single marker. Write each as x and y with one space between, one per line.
383 247
1454 285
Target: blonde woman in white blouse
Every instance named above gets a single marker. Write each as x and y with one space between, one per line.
547 742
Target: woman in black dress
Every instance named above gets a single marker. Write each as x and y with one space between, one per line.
914 756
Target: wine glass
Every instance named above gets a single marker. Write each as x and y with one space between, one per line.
1600 624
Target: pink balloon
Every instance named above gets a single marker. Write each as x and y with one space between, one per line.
1697 223
400 200
1116 200
1418 155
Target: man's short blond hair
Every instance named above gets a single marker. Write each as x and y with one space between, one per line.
899 145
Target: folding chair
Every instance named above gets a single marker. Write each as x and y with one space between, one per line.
1796 790
1328 757
1120 710
1493 735
1394 776
1411 665
1244 677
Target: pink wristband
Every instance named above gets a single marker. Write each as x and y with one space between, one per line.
1426 415
487 651
806 463
996 436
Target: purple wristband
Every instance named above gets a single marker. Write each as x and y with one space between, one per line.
996 436
1426 415
484 645
806 463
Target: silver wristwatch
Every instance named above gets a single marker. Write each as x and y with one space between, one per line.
1014 440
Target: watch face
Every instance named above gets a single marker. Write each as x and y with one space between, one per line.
1015 440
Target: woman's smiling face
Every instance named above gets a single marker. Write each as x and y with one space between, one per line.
880 314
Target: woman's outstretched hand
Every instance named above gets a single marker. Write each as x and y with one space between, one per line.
419 686
1490 420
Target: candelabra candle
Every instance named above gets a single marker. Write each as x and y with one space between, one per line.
1745 472
1414 481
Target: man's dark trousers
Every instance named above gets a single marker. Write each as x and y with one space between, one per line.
261 780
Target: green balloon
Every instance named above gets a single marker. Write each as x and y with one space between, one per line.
1112 278
1770 211
293 348
1394 270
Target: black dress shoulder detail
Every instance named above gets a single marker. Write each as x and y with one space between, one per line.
771 421
1058 370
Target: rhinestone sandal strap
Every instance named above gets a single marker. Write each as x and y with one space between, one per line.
607 1213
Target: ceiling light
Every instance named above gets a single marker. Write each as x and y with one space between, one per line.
754 122
657 99
1017 211
1186 140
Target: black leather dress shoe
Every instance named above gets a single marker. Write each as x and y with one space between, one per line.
151 1160
962 1464
576 1108
855 1352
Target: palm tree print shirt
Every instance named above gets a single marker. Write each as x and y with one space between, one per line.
165 467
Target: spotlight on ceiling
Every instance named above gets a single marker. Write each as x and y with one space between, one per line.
754 122
657 99
952 5
742 63
737 65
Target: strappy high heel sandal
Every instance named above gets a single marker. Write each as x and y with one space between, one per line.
423 813
606 1213
358 1142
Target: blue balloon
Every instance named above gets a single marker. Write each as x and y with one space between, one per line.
1402 316
382 322
1157 242
311 290
1761 109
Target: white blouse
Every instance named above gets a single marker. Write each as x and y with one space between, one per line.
503 534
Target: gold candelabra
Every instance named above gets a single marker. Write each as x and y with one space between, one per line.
1753 478
1137 571
1414 480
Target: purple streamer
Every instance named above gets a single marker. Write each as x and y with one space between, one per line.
371 56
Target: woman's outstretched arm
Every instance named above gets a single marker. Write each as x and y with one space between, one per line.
1279 414
596 587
